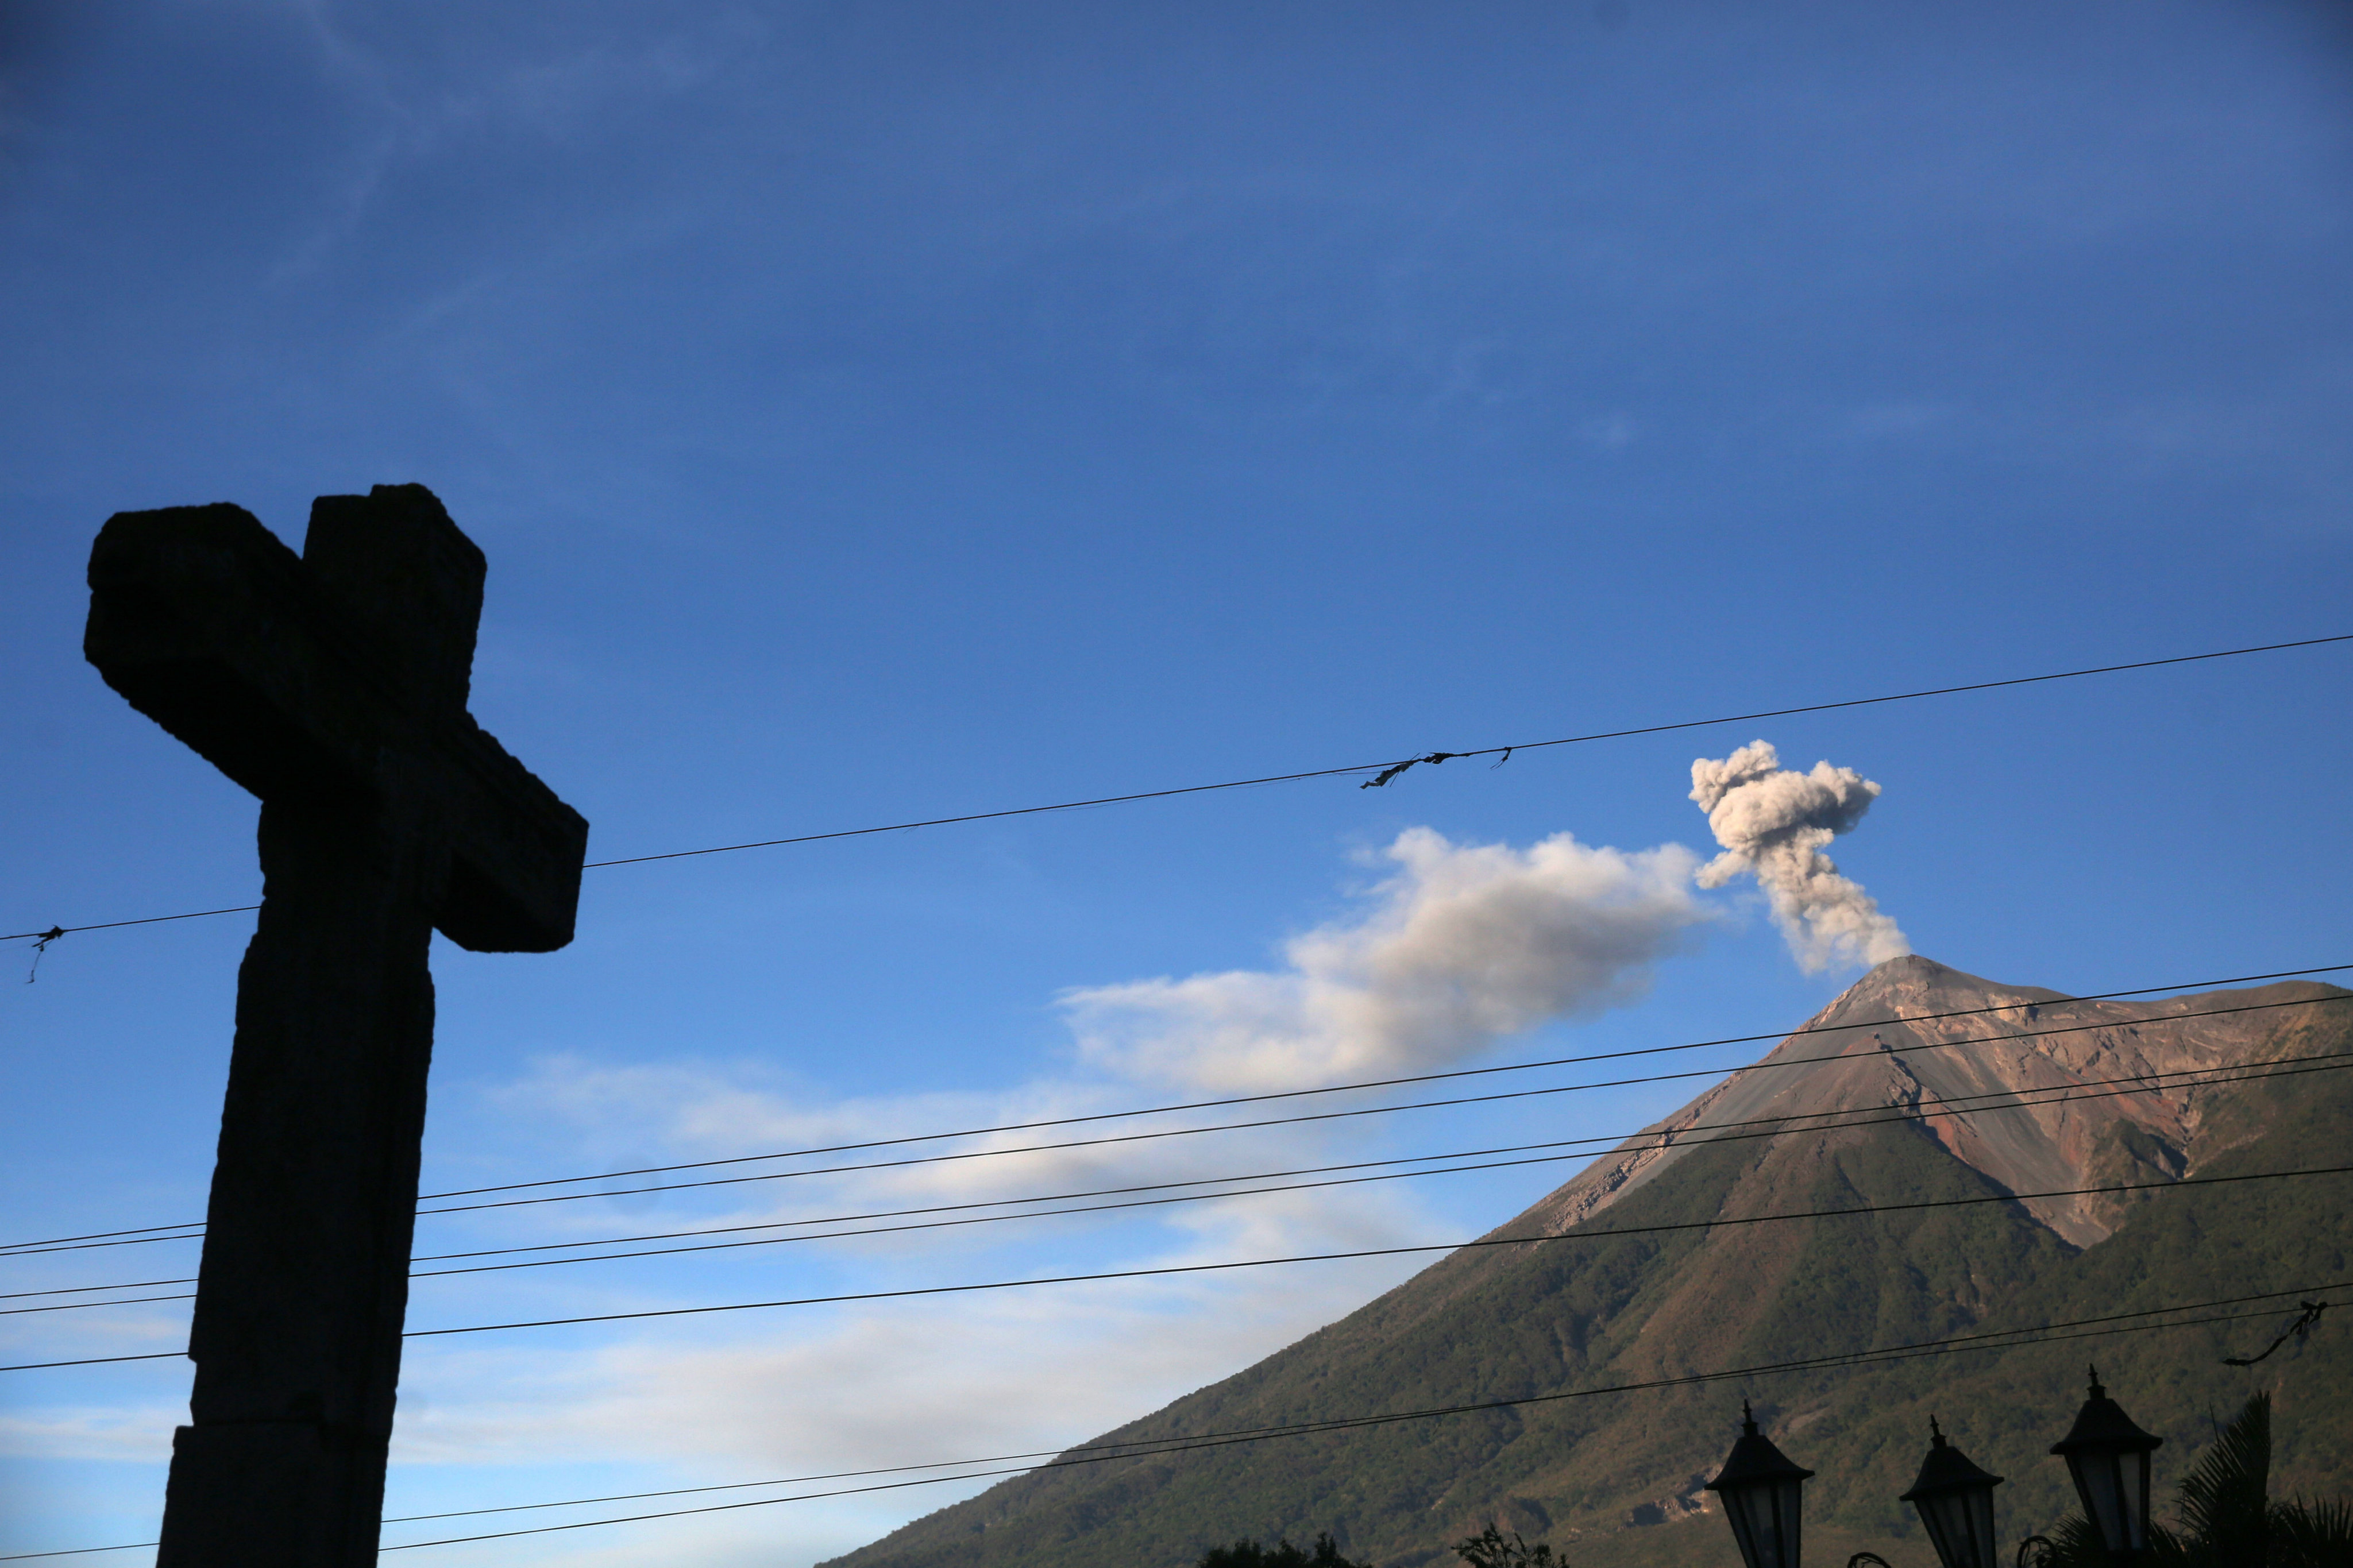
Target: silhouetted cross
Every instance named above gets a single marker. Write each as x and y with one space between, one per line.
333 686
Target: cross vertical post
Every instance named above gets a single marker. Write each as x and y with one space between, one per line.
333 686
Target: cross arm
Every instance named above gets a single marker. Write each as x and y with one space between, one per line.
204 621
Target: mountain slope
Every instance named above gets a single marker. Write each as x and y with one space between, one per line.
1616 1472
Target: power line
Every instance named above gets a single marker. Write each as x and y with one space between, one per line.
2103 1326
1770 1127
1350 1115
1149 1448
1387 768
1604 1234
1942 1107
96 1361
1154 1447
2014 1339
1364 1084
56 931
193 1228
1171 1269
195 1231
1958 1105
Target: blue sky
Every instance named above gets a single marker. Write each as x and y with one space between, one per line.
881 412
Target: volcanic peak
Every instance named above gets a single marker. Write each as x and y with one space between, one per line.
2035 1090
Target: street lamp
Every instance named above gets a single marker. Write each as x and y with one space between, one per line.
2108 1457
1954 1501
1762 1498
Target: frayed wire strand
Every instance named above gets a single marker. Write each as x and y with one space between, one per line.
40 946
2299 1331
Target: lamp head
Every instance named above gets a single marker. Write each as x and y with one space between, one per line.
1954 1501
2108 1459
1763 1495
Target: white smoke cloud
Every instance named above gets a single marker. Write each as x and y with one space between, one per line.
1464 945
1772 823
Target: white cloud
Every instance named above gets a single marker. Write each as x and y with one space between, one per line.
1772 823
1462 945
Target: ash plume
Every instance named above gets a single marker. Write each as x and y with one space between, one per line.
1772 822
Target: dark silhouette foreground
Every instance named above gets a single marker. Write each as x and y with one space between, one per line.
1281 1554
332 684
1491 1549
2225 1517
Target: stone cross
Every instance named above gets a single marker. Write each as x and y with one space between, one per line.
333 686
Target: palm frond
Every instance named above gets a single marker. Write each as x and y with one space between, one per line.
2312 1534
2225 1499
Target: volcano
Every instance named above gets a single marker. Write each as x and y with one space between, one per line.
1920 1084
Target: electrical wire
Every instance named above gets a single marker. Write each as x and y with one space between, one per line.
193 1228
1355 1114
1769 1127
1432 757
1146 1447
1609 1233
1131 1449
1602 1234
2104 1325
1364 1084
2011 1340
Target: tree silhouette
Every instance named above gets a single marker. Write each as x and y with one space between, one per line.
1281 1554
1491 1549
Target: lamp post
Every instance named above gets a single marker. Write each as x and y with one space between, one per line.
1954 1501
1763 1498
2107 1455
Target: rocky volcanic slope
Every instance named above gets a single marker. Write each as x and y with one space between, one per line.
2035 1047
2026 1091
